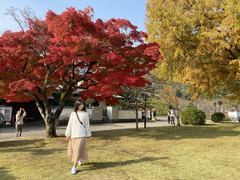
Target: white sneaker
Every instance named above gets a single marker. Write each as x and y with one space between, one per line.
80 163
74 170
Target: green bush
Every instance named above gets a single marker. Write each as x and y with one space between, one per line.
217 117
226 119
193 116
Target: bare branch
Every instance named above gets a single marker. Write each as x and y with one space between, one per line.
12 12
21 17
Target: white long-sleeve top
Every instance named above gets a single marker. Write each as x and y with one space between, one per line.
172 113
75 128
19 118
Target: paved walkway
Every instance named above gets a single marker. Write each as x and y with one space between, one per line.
38 129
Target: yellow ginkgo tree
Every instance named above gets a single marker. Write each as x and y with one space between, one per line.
200 43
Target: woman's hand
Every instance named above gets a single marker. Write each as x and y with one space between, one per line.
68 138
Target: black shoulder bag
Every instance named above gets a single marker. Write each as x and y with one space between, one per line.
80 120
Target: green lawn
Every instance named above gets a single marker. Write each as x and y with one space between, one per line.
202 152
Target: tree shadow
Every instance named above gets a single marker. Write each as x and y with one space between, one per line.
20 142
5 174
46 151
26 128
208 131
103 165
38 147
36 151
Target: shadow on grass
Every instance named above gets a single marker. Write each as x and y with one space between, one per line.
34 150
37 147
173 133
20 142
25 129
102 165
4 174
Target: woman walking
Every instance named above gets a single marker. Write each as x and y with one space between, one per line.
19 121
78 129
169 116
172 117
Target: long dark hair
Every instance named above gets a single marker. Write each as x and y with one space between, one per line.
78 103
21 112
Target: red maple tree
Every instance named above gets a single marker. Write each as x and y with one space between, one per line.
70 51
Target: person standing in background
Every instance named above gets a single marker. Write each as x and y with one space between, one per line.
143 115
169 117
172 117
1 118
21 114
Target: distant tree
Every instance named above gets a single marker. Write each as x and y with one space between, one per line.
90 101
166 94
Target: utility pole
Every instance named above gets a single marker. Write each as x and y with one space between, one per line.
145 119
136 103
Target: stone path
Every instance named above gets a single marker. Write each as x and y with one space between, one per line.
38 129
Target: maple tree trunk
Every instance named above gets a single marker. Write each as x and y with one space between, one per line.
51 128
50 119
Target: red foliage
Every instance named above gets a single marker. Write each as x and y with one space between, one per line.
68 44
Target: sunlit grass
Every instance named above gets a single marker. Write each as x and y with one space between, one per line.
187 152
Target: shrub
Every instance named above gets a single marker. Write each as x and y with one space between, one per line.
217 117
193 116
227 119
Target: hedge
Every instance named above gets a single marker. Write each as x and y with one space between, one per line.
193 116
217 117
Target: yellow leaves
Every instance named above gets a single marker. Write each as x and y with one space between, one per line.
178 52
200 41
224 44
235 70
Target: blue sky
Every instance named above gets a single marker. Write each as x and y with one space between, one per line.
133 10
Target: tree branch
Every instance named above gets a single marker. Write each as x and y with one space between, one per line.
38 103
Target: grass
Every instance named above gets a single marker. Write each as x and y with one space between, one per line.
187 152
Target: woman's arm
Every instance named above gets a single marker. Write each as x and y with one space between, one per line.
24 113
17 117
69 128
88 126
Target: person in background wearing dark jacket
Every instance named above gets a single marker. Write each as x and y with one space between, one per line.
169 117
